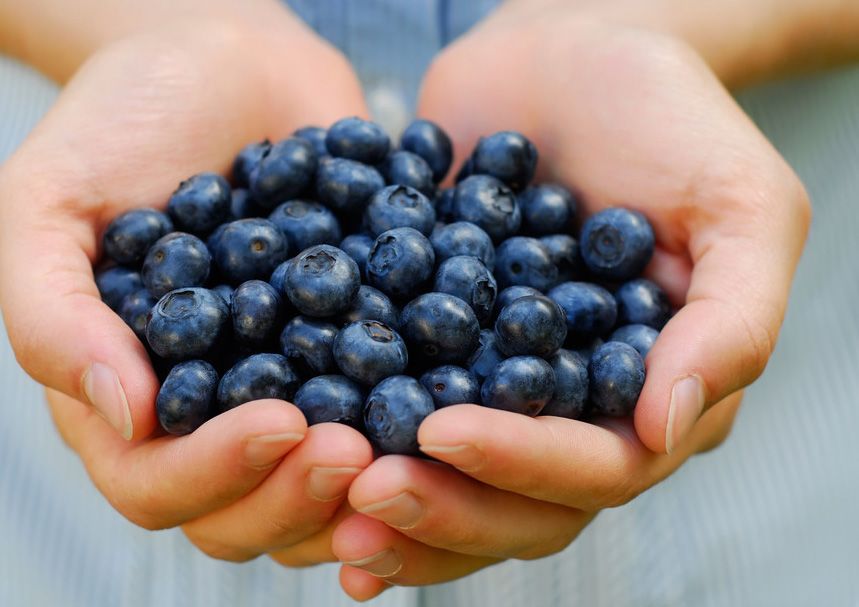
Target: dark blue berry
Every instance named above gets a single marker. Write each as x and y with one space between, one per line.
643 302
345 185
467 278
369 351
308 343
571 385
532 325
357 246
357 139
398 206
444 210
257 313
249 249
331 398
408 169
522 384
116 283
400 262
486 357
278 279
175 261
508 156
488 203
129 236
616 373
135 311
257 377
616 244
247 160
314 135
430 142
322 281
372 304
564 252
463 238
590 310
547 209
451 385
305 224
393 412
511 294
187 323
225 291
186 398
243 205
440 328
640 337
201 203
521 260
284 172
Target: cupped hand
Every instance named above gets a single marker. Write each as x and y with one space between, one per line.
139 116
625 117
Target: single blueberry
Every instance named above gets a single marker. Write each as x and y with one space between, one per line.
430 142
225 291
547 209
345 185
314 135
308 343
616 244
440 328
398 206
372 304
488 203
369 351
322 281
331 398
305 224
200 203
486 357
357 246
401 261
257 377
176 260
284 172
278 279
616 374
243 205
393 412
571 385
640 337
511 294
116 283
522 260
257 313
135 311
186 398
408 169
643 302
246 161
444 205
249 249
467 278
532 325
357 139
508 156
187 323
564 252
590 310
451 385
128 237
463 238
522 384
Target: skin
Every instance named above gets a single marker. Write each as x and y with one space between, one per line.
600 87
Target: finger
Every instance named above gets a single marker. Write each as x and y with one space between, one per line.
574 463
293 503
361 585
315 548
167 481
370 546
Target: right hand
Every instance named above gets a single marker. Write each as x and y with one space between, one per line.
143 113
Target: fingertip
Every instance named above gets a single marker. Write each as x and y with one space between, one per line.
360 585
454 424
359 535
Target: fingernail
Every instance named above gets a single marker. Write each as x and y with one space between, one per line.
329 484
103 390
687 405
382 564
264 451
403 511
467 458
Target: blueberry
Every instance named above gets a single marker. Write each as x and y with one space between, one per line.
571 385
278 279
511 294
249 249
451 385
640 337
488 203
246 161
400 262
444 205
532 325
463 238
522 384
331 398
176 260
257 377
201 203
314 135
467 278
135 311
508 156
185 400
116 283
129 236
564 252
225 291
308 343
187 323
284 172
346 185
642 301
616 244
408 169
616 373
372 304
547 209
358 139
322 281
305 224
357 246
590 309
440 327
257 313
521 260
243 205
369 351
486 357
430 142
398 206
393 412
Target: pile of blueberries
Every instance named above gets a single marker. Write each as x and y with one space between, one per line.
336 274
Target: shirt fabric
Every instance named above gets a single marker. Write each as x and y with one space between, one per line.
769 518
